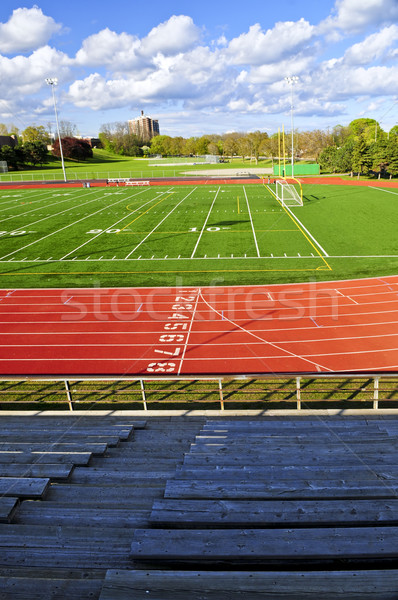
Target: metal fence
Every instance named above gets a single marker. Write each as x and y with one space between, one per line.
90 175
370 389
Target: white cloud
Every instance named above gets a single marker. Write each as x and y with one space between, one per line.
26 74
122 52
373 47
256 47
178 34
27 29
357 15
188 75
110 49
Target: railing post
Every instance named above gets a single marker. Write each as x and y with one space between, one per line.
143 394
221 394
69 394
375 393
298 393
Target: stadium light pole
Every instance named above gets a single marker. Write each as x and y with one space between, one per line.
292 80
52 81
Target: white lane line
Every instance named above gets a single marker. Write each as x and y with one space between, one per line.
251 222
158 225
189 332
205 223
315 364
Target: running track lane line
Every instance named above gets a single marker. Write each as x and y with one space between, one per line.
317 365
189 331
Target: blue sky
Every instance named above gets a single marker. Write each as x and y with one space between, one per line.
200 67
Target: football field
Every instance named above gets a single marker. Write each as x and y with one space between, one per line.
194 234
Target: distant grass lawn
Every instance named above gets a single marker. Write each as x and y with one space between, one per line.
194 235
105 164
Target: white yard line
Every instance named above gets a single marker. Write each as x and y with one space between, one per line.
205 223
20 196
65 227
251 222
42 208
189 332
110 226
158 225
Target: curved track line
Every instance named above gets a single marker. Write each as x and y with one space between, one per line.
262 339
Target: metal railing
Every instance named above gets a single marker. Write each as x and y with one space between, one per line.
91 175
265 389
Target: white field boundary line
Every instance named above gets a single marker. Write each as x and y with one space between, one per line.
373 187
110 226
251 223
205 223
69 224
262 339
182 258
303 227
43 208
158 225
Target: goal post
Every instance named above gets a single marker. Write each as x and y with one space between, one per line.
288 193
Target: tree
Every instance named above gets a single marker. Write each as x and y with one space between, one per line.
328 159
116 138
368 129
202 145
36 134
160 144
35 152
67 129
230 144
340 134
344 157
213 148
13 156
361 158
393 133
190 146
73 148
385 157
257 141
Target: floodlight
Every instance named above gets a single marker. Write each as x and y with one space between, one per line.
52 81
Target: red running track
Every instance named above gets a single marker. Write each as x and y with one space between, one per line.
342 326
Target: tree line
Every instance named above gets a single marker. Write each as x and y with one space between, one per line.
360 147
32 147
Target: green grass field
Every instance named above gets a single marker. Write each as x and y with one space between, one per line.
194 235
104 165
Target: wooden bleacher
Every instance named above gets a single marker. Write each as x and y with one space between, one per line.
114 507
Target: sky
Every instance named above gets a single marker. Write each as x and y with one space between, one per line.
204 67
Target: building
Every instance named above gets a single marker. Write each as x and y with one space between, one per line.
144 127
8 140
